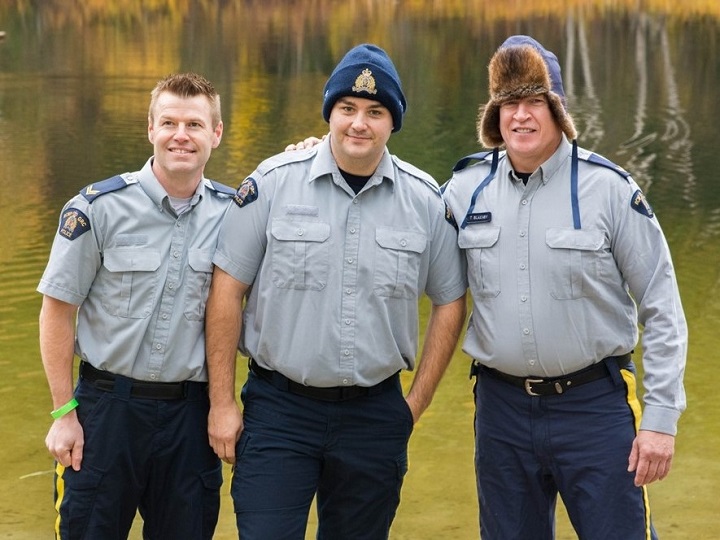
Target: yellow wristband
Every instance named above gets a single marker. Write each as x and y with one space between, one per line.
62 411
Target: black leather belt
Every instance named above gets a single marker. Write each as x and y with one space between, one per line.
104 380
332 393
536 386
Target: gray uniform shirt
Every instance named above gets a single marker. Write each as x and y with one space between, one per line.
550 299
336 277
140 275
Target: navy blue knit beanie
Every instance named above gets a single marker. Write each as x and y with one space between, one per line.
366 71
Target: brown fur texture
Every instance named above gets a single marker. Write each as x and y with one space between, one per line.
515 73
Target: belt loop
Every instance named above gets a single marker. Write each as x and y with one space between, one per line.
122 387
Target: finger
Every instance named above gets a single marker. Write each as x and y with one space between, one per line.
76 456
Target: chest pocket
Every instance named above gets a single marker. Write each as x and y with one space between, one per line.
575 257
483 255
130 282
397 262
197 287
300 254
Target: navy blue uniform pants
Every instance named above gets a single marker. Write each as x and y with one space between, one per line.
351 454
577 444
140 454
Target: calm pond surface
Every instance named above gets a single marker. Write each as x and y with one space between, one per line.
75 76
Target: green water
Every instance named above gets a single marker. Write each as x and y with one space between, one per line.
74 84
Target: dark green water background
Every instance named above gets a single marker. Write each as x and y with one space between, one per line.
74 86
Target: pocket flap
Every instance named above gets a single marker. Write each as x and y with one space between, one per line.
200 260
131 260
477 236
300 231
586 240
401 240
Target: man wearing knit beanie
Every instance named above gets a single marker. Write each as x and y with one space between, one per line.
565 257
333 247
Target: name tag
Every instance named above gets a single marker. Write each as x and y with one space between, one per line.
481 217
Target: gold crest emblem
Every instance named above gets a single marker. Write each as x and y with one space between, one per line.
365 82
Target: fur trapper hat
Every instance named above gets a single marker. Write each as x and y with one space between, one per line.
520 68
366 71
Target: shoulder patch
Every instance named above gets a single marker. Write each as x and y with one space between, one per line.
73 224
450 218
639 203
285 158
220 189
246 193
418 173
597 159
93 191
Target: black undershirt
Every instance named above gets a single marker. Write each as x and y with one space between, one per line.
355 182
524 176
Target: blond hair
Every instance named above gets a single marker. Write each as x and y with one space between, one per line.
187 85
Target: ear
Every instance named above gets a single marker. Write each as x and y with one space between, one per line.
217 134
151 131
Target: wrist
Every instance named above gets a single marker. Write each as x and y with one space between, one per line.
64 409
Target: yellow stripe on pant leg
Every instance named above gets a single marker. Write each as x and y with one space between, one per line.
631 385
60 492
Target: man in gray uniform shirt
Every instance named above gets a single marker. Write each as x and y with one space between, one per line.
333 247
565 257
132 262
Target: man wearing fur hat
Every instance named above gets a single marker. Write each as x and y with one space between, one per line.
565 258
332 247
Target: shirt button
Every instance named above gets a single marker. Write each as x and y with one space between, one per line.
348 321
522 234
345 381
526 331
355 201
523 298
522 267
300 232
176 254
350 261
165 316
348 291
153 376
158 347
347 352
403 242
531 362
171 286
524 201
352 230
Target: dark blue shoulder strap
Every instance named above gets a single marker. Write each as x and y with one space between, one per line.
93 191
479 156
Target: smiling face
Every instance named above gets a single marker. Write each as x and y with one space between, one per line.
529 131
182 133
359 130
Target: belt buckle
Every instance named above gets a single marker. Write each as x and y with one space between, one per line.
528 386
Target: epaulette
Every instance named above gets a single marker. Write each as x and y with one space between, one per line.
219 189
93 191
285 158
597 159
479 156
418 173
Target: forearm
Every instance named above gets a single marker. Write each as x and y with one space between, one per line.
57 347
223 324
441 337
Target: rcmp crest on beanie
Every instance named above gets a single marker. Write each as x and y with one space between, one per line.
366 71
520 68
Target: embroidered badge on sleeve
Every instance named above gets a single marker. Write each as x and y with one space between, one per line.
246 193
73 224
639 204
450 218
